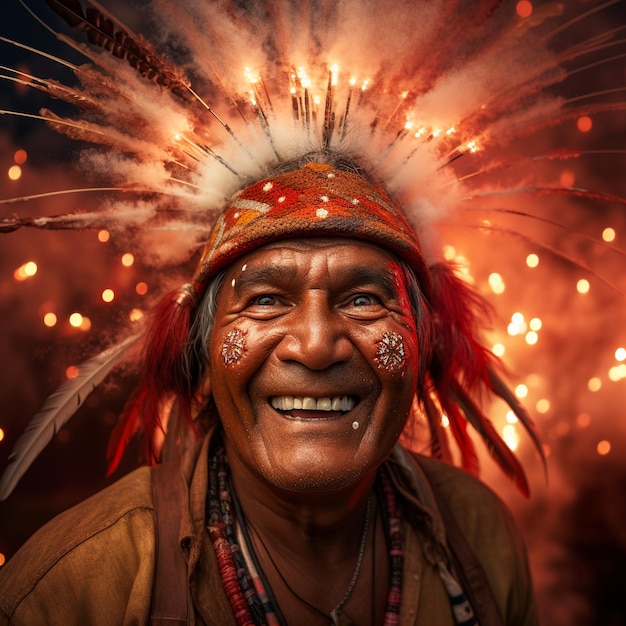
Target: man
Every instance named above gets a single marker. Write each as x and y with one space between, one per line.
307 340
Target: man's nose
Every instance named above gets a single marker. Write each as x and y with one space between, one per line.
316 335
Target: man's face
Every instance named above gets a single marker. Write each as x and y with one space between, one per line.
313 361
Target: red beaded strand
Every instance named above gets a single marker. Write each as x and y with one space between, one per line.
223 551
396 554
231 574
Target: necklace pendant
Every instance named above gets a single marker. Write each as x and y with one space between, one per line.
339 618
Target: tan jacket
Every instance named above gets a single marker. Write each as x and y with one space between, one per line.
94 564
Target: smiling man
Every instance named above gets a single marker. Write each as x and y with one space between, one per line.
302 349
315 318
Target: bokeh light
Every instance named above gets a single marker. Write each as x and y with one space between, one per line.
496 283
15 172
498 349
521 391
135 315
531 338
583 286
25 271
20 156
532 260
524 8
608 234
543 405
594 384
50 319
75 320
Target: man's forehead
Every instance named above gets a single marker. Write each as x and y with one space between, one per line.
364 264
304 244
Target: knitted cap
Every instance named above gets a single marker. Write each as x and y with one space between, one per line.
314 201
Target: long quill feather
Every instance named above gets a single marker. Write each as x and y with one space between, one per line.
58 409
104 31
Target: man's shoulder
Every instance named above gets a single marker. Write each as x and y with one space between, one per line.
459 488
97 529
478 510
97 513
488 527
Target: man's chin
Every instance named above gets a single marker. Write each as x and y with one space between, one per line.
330 469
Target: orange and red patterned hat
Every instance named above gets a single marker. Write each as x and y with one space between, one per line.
316 200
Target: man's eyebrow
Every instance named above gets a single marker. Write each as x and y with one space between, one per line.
361 275
354 276
271 274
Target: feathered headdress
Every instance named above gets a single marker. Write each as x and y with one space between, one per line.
427 96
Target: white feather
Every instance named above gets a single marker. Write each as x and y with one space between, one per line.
58 409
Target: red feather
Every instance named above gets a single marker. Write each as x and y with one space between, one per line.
458 426
126 428
164 376
498 449
439 440
458 313
500 389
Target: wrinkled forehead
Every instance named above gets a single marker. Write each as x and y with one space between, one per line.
323 262
303 250
311 244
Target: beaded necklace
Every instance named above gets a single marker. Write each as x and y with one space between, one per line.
249 609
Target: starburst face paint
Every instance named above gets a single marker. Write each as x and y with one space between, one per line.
233 347
391 354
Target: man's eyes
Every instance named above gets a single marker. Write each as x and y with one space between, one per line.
359 300
264 300
364 299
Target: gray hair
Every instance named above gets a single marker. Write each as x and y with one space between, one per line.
326 156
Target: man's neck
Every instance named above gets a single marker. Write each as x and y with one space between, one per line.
296 518
308 546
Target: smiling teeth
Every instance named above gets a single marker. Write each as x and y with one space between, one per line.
307 403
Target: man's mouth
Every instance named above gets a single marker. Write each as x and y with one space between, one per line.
308 403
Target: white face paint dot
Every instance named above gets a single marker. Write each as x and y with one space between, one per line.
355 425
236 215
244 267
330 175
232 282
324 198
355 201
268 186
321 213
281 199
